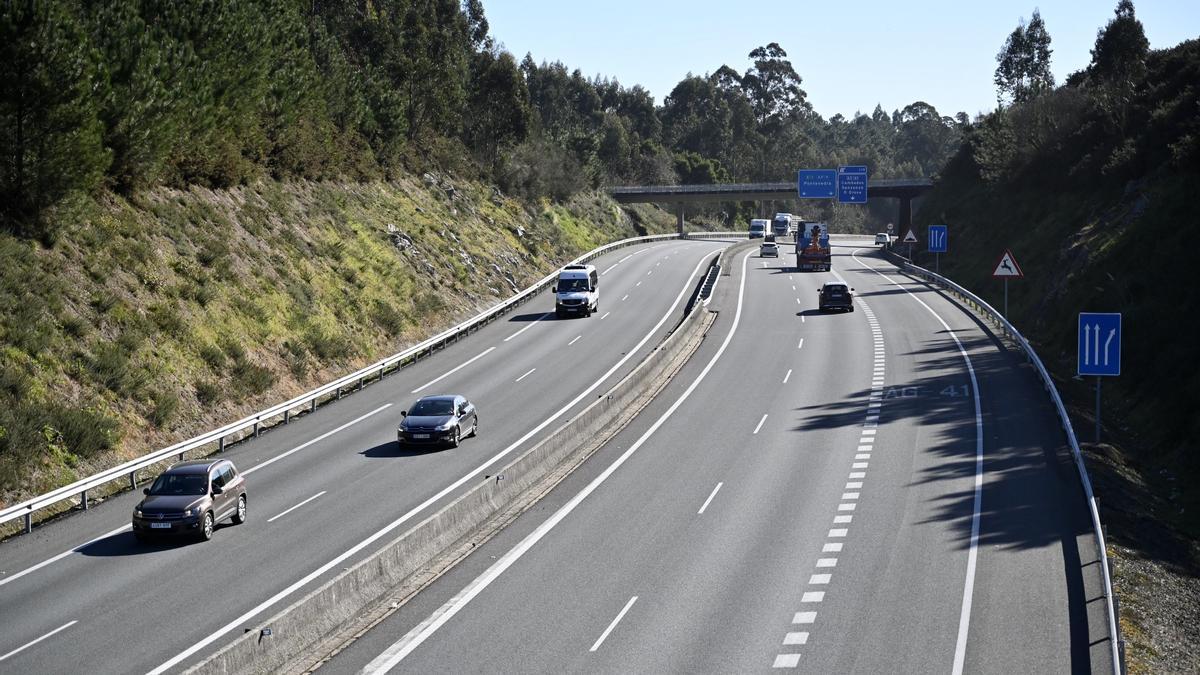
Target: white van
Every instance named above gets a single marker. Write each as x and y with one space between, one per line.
575 291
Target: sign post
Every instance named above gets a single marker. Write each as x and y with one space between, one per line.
1007 267
910 239
938 236
1099 350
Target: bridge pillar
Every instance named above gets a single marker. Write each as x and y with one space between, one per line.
904 219
680 221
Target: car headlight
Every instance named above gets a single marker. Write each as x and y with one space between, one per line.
137 511
445 427
194 511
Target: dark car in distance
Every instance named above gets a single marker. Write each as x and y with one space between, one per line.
190 498
835 295
438 420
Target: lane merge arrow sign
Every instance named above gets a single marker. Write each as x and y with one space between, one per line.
1099 344
1007 267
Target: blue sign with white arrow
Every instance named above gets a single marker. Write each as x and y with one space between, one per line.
1099 343
938 238
816 183
852 184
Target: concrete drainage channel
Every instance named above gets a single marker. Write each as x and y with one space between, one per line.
318 625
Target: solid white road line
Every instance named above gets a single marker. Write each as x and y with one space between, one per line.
710 498
124 528
318 439
760 423
547 315
396 653
609 268
964 618
525 375
454 370
18 650
785 377
574 341
292 588
605 316
611 626
271 520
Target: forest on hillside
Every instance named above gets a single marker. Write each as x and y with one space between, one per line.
123 95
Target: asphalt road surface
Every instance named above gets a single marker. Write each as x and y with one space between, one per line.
80 595
885 490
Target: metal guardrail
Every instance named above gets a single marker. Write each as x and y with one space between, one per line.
285 410
987 310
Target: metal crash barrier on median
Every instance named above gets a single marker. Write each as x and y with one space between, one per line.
282 413
998 320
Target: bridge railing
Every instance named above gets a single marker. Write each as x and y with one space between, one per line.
283 412
999 320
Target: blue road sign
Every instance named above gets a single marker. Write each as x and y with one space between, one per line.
816 183
852 184
938 236
1099 344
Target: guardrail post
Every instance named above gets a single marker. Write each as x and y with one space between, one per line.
312 406
29 522
133 476
256 428
221 444
360 383
287 416
338 395
83 500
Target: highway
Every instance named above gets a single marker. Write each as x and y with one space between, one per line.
80 595
878 491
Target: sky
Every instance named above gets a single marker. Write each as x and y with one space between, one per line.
851 54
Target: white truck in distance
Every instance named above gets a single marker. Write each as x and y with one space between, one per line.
759 228
575 291
783 224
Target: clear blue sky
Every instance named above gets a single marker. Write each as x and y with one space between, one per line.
852 55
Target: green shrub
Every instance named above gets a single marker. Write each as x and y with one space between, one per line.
166 404
85 431
213 356
232 348
109 365
75 327
388 317
207 392
168 320
327 346
251 378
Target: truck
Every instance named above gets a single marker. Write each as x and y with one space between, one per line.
758 227
783 224
812 248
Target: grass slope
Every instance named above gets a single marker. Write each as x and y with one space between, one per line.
158 317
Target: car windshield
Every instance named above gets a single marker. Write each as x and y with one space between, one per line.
835 289
180 484
429 407
572 285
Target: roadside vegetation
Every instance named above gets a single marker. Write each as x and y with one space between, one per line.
1090 185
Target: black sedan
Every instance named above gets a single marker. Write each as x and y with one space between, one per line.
834 295
438 420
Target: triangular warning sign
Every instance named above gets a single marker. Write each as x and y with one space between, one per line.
1007 267
910 238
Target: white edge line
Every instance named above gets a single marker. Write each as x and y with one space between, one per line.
254 611
547 315
611 626
18 650
123 528
710 498
964 617
455 369
271 520
413 639
318 439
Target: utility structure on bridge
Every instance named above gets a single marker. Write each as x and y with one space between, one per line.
903 189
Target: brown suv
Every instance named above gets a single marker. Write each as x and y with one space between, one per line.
190 498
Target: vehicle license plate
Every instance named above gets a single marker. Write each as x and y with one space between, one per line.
160 526
420 435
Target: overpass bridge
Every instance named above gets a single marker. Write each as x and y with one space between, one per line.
902 189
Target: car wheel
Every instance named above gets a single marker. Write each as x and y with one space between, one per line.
456 438
851 308
206 527
475 427
239 516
